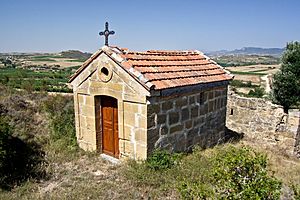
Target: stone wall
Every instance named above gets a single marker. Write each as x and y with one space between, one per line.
264 122
178 123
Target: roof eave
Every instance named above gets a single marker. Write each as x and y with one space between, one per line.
188 88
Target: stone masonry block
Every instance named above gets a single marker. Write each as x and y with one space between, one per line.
151 121
143 109
153 108
218 93
194 111
191 100
128 147
211 94
89 100
131 107
116 87
185 114
141 135
164 130
141 121
176 128
188 124
173 117
88 111
152 134
201 99
167 105
181 101
161 118
211 106
127 132
141 151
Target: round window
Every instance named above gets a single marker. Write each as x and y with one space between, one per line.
105 74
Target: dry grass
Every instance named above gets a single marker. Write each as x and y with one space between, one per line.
87 176
285 167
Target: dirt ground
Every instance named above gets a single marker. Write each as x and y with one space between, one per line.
63 62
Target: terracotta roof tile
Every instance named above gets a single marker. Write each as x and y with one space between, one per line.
166 69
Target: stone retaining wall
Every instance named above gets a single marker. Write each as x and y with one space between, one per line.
265 122
178 123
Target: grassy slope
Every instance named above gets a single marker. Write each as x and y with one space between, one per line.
74 174
86 176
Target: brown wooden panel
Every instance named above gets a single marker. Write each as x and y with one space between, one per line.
115 128
110 139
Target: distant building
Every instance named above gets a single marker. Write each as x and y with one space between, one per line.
129 103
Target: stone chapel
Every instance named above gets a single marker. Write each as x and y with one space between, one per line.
128 103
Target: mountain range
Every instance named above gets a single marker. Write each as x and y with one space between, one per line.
249 51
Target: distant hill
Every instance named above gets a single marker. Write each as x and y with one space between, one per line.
249 51
75 54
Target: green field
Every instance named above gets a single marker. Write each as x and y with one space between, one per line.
36 80
248 73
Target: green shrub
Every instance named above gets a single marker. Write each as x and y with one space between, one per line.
224 172
60 110
162 159
236 173
239 83
258 92
296 190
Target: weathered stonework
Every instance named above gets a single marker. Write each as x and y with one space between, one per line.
264 122
131 97
174 118
178 123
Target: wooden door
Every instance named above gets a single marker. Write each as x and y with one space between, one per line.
110 138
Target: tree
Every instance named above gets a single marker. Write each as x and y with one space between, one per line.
286 86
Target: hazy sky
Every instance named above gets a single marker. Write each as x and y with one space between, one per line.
55 25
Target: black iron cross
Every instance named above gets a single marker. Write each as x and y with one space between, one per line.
106 33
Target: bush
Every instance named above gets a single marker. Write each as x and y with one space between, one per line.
239 83
19 160
162 159
296 190
236 173
5 133
258 92
60 110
